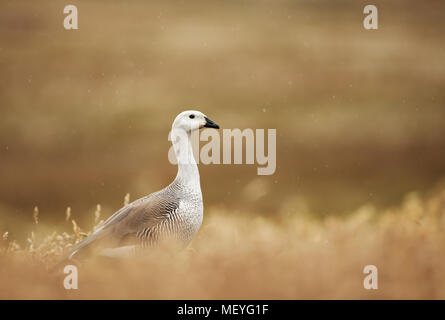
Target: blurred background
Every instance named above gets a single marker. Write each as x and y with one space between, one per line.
85 113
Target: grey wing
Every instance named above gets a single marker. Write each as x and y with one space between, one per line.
136 220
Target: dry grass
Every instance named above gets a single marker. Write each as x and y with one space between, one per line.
243 256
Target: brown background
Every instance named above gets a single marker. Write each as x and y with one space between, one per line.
85 114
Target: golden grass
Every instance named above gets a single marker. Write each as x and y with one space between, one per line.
246 256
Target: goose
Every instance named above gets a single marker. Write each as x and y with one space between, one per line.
175 212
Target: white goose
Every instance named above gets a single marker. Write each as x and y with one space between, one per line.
174 212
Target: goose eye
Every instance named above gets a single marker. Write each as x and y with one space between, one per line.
192 116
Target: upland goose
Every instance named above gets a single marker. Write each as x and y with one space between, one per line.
174 212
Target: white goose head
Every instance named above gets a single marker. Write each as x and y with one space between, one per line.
191 120
184 124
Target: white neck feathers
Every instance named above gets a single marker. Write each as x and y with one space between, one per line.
188 172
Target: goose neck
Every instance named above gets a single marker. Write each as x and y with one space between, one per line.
188 173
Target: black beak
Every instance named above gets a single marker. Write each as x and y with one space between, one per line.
210 124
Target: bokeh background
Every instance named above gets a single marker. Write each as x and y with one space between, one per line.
85 114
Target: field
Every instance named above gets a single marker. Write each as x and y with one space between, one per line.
359 114
240 256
